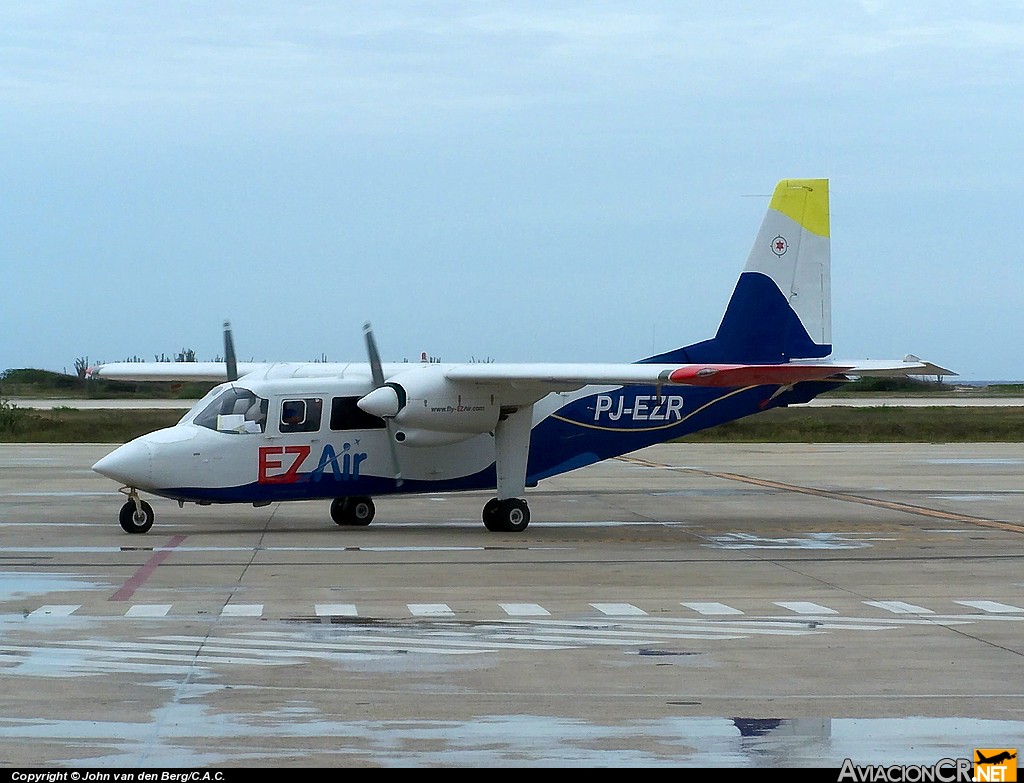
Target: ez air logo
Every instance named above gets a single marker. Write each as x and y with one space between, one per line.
995 764
281 464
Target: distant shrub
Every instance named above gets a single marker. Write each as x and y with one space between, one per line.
896 385
43 379
10 415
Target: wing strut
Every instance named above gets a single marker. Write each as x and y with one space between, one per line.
511 452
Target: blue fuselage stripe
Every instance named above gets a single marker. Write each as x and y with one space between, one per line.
585 431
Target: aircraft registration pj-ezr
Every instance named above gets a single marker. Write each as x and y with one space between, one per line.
348 432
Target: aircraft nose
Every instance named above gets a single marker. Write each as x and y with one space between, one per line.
131 464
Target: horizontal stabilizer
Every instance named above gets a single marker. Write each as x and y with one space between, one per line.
893 368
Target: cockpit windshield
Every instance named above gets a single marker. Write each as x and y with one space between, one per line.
235 410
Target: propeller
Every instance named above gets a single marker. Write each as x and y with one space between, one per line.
377 374
229 353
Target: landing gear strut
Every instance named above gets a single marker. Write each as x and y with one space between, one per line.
352 511
506 516
508 513
136 515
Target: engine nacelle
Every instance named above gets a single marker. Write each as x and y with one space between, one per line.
419 439
424 399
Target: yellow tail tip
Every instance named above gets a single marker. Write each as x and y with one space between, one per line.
805 201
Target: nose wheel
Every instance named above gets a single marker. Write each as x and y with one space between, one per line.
136 516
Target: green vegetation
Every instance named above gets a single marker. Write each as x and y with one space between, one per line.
896 387
69 425
10 416
889 385
873 425
43 383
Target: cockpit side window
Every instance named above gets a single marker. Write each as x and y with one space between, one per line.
236 411
301 415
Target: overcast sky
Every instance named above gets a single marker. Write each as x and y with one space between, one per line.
549 181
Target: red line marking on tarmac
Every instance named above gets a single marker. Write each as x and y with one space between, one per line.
147 568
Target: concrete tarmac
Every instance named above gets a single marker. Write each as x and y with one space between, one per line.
691 605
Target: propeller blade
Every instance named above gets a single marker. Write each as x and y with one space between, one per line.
377 373
229 353
376 370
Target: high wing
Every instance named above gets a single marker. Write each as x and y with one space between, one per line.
551 376
569 377
170 371
421 395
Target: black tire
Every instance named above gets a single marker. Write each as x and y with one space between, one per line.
490 515
352 511
510 516
133 520
338 511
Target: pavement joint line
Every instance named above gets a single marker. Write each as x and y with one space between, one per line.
908 508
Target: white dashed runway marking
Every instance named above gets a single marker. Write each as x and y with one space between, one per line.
431 629
242 610
991 606
50 610
148 610
805 607
899 607
710 608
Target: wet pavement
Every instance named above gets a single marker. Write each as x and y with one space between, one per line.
693 605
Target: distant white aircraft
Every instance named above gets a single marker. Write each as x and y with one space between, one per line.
348 432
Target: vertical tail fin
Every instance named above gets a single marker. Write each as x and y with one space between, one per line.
781 308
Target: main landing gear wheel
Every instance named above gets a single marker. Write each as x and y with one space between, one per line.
506 516
136 519
490 515
352 511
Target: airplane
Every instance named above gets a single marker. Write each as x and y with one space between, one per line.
348 432
996 759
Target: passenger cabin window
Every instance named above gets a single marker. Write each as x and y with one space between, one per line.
236 411
301 415
346 415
